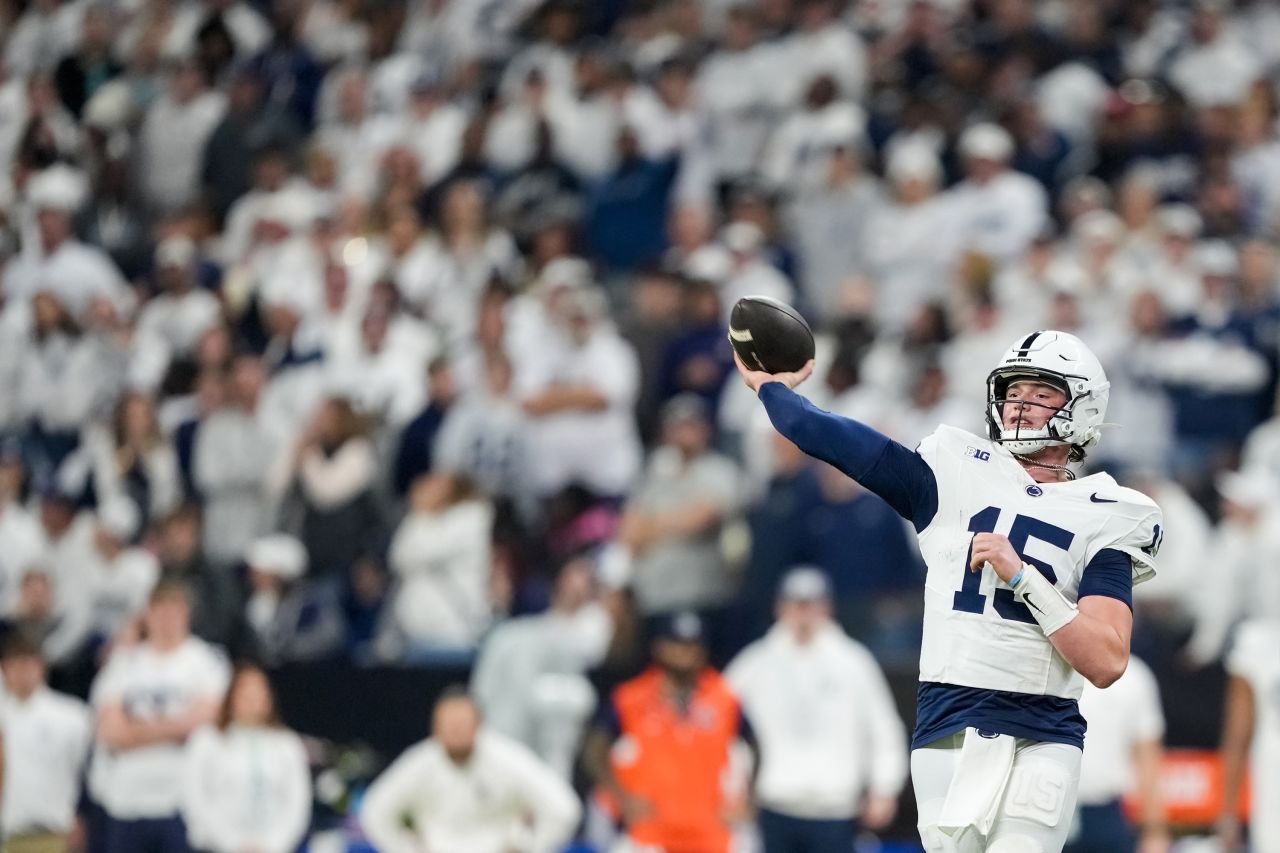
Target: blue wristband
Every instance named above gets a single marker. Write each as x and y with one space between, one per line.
1017 579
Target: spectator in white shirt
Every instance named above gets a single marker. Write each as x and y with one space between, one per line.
379 362
1247 535
46 740
235 448
432 127
1251 737
441 554
171 324
830 228
133 457
552 55
795 159
485 436
530 677
62 383
58 623
908 251
579 385
172 139
468 790
750 273
120 577
472 251
22 542
247 784
821 45
336 32
733 91
41 36
1121 756
674 518
1000 211
149 698
357 138
1218 68
587 122
832 745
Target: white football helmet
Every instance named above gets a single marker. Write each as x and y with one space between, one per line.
1061 360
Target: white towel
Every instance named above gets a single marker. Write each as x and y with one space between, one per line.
977 786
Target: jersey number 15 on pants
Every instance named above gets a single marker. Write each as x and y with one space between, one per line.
1024 527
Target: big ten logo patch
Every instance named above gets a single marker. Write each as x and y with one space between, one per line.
975 453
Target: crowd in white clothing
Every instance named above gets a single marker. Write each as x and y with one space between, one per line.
396 331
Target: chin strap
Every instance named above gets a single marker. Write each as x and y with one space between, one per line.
1032 463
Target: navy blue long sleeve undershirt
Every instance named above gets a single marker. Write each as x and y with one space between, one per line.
898 475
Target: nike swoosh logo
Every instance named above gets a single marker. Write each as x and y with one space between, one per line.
1030 603
1094 497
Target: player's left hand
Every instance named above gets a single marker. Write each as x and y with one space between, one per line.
878 811
995 549
1154 842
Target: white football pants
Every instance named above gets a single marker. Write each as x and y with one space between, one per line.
1035 804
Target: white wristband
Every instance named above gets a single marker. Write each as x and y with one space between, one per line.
1049 607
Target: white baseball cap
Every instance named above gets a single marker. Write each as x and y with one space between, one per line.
987 141
1179 220
742 237
1217 258
913 161
278 554
175 251
119 516
58 187
804 583
1251 487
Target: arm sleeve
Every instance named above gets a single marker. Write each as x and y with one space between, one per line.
108 687
166 481
385 805
413 456
329 483
1148 721
1109 573
886 735
608 720
553 808
205 822
294 808
898 475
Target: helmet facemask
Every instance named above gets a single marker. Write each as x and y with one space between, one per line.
1062 361
1057 430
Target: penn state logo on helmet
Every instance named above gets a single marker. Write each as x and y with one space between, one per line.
1063 361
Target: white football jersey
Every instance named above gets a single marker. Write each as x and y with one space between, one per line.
976 633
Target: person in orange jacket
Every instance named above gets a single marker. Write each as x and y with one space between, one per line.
666 750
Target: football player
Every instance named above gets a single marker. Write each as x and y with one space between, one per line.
1028 590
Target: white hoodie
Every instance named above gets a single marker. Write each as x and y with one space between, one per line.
825 721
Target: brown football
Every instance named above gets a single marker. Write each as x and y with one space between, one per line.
770 335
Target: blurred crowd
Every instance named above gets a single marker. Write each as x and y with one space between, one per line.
395 330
